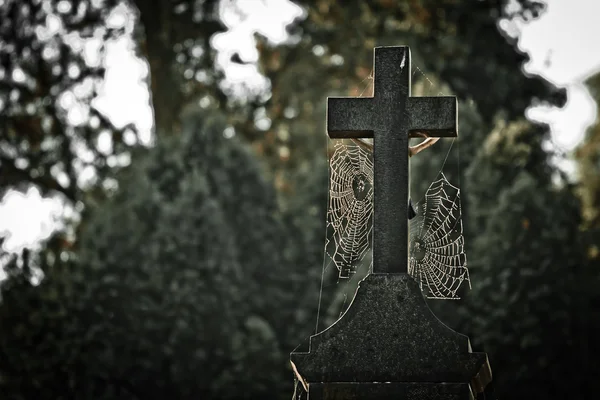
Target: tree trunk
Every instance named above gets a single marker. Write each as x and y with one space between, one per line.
156 45
163 29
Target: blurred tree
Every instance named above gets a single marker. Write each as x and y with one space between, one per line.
175 36
588 159
49 129
43 63
182 286
532 304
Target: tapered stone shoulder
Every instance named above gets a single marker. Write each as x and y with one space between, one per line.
389 334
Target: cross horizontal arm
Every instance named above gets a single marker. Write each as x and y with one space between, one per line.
436 116
350 117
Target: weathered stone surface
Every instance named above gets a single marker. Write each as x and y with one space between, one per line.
436 116
389 334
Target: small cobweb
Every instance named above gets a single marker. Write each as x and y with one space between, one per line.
350 212
437 256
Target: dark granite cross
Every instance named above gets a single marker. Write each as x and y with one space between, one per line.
388 345
391 117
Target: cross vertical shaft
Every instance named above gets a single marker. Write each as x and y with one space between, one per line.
389 117
390 160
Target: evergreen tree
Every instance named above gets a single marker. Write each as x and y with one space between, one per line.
587 156
182 285
532 284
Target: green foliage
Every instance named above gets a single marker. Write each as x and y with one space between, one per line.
182 285
533 286
40 63
587 156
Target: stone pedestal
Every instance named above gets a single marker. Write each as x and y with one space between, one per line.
389 345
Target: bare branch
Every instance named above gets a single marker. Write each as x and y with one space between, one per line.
363 144
412 150
416 149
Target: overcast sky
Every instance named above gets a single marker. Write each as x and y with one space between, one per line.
562 45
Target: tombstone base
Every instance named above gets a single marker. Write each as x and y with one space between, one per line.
389 345
390 391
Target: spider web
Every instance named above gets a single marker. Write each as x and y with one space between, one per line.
350 212
437 259
437 256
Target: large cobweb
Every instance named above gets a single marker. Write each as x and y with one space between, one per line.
437 258
350 213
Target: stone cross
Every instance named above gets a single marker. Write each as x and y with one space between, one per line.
388 344
390 117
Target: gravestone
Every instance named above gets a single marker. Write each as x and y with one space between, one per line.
388 344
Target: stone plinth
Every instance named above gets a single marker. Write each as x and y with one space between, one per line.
389 345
